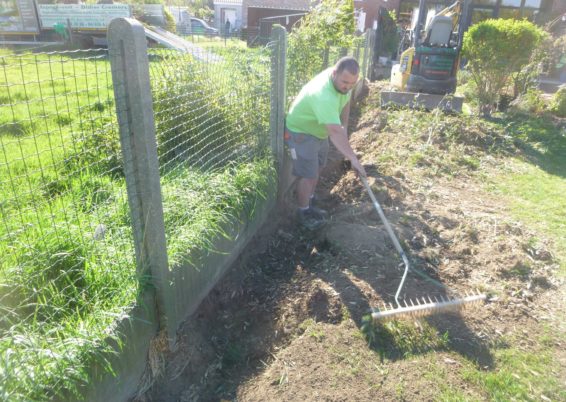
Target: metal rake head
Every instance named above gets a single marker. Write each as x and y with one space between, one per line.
418 308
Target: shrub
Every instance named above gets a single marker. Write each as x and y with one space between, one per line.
495 49
558 105
529 102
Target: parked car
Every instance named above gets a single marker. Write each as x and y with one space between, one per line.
200 27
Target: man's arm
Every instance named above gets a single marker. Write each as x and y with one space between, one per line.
339 138
345 116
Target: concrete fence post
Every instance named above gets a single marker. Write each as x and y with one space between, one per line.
278 92
366 61
372 37
130 76
325 56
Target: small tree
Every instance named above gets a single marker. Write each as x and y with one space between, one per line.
331 22
495 50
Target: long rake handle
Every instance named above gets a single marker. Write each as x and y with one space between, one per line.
392 236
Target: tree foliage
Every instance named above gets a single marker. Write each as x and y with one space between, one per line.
558 106
330 23
495 50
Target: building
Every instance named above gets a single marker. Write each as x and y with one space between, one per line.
228 10
534 10
289 11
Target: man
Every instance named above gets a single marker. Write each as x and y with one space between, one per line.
227 28
319 113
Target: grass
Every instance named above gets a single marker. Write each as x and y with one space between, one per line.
519 375
534 185
67 266
216 41
404 339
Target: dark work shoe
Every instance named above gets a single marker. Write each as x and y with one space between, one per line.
319 212
313 202
310 218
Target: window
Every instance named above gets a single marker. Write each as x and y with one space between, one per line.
485 2
532 3
511 3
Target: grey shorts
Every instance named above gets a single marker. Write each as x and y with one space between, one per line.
309 154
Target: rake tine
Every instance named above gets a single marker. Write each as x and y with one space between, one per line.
451 303
419 310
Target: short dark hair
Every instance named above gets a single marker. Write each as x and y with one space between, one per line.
349 64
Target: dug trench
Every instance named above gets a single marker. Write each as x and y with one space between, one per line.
289 320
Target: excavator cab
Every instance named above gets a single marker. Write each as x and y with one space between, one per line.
430 65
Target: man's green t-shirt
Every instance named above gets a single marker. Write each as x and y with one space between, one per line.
317 105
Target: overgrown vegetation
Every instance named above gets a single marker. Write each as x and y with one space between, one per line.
328 27
67 272
558 105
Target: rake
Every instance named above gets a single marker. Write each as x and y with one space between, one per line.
417 307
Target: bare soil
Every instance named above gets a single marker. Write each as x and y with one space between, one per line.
287 322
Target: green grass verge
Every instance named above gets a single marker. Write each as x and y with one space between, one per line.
519 376
534 184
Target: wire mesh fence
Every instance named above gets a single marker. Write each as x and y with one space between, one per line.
244 37
212 110
304 65
66 252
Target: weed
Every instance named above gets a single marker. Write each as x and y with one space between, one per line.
521 270
469 162
63 119
101 106
418 159
317 334
16 129
306 324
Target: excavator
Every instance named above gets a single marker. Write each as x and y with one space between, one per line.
427 70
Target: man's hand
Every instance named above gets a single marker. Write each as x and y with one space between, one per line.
337 135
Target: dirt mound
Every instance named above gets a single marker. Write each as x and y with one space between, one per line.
287 323
352 237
